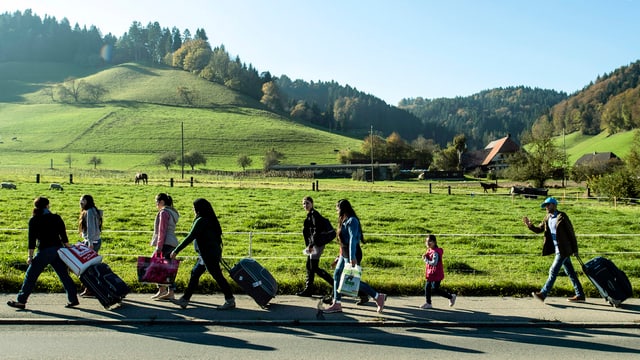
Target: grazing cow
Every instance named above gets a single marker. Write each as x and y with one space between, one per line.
55 186
8 185
486 186
142 177
421 176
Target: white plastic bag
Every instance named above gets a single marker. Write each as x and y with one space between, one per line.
350 280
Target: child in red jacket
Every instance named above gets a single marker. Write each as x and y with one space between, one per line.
434 272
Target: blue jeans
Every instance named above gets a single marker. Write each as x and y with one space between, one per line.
565 263
44 257
336 281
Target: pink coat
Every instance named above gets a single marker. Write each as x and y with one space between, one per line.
434 272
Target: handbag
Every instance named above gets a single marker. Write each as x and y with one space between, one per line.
79 257
350 280
157 270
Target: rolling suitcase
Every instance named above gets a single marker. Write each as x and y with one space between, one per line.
612 283
254 279
79 257
107 287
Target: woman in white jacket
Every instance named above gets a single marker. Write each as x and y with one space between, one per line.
90 223
90 227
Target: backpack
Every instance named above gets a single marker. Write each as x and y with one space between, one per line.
325 232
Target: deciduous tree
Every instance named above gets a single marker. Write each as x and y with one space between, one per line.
244 161
194 158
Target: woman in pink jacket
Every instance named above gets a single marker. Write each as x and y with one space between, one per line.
164 238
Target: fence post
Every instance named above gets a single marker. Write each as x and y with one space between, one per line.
313 186
317 186
37 178
70 178
429 188
192 181
171 182
449 189
250 243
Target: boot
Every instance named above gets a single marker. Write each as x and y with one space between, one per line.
307 292
308 288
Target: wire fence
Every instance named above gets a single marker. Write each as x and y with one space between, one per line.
259 239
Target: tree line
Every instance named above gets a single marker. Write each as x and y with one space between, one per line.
609 103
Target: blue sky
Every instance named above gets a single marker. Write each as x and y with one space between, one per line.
394 49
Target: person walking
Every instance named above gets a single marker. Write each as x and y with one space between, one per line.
48 233
434 272
559 239
164 238
311 230
349 237
90 228
207 233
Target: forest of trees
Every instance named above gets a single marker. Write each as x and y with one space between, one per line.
612 102
488 115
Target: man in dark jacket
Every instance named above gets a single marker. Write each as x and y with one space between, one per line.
559 239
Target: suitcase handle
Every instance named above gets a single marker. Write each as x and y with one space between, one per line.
224 264
579 260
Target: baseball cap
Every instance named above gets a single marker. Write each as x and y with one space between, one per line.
549 200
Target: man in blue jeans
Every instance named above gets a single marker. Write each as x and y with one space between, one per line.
559 239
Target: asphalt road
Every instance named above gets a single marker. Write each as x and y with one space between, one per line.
313 342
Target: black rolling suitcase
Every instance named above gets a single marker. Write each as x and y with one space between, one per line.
254 279
612 283
107 287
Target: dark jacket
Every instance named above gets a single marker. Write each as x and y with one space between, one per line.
310 226
566 237
47 230
208 237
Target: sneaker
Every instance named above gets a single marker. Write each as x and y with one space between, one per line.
452 301
335 308
426 306
327 299
228 304
538 295
363 300
380 299
182 302
72 304
576 298
15 304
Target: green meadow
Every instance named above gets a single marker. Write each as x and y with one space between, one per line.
488 251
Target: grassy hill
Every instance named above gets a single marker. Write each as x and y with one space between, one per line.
142 117
578 144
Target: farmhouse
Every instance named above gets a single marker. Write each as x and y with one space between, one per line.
492 157
596 158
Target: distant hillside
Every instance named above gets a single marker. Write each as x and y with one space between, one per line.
610 104
577 144
488 115
142 114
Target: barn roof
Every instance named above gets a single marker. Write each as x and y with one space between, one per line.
500 146
596 157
